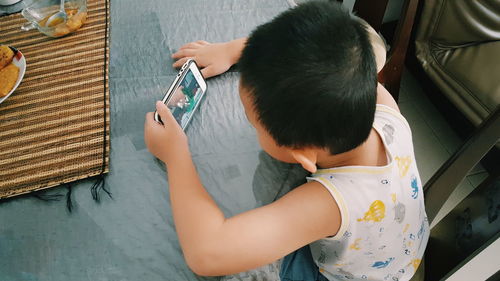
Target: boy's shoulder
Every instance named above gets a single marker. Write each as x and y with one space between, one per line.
385 98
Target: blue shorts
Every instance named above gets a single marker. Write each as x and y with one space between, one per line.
300 266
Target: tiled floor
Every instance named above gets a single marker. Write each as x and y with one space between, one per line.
434 140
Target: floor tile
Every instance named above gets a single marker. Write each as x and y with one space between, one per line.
434 141
476 179
462 190
414 94
429 152
409 89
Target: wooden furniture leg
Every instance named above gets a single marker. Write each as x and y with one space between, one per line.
373 12
391 74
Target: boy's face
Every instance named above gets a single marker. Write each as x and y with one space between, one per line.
266 141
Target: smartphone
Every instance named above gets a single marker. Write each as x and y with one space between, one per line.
185 94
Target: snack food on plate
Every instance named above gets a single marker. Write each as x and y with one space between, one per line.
8 78
6 56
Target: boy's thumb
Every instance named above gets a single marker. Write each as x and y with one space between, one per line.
164 112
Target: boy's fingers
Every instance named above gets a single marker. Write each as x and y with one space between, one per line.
165 114
192 45
209 71
186 46
180 62
150 118
183 53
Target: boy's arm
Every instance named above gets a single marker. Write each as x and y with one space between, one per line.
212 58
214 245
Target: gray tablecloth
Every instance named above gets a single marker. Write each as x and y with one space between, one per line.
132 236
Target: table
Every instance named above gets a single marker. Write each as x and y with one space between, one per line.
132 235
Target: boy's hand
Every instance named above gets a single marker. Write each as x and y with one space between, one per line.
212 58
166 141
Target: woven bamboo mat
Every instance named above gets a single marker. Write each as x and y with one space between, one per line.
54 128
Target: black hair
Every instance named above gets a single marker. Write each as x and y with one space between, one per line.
312 77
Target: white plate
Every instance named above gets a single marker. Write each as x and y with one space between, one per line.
20 62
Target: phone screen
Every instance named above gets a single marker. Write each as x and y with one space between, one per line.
184 99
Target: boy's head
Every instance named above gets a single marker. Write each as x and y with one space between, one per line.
310 78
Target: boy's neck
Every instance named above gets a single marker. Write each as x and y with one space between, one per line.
371 153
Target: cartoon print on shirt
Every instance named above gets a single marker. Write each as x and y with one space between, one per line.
382 264
399 209
414 187
408 244
415 263
336 254
399 212
388 277
322 256
388 133
421 231
406 228
355 245
403 165
375 213
346 275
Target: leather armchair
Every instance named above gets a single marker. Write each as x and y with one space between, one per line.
458 46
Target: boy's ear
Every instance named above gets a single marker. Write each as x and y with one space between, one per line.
306 157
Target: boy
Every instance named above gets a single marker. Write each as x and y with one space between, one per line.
309 87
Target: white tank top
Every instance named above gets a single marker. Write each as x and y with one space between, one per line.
384 228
